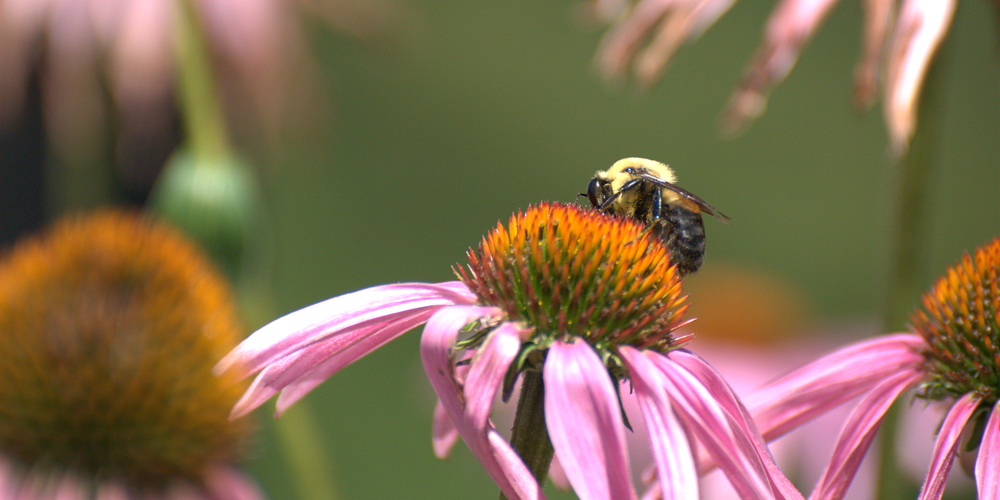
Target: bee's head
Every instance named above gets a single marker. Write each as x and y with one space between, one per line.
599 189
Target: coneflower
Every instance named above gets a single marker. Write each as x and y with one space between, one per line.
109 327
576 304
952 356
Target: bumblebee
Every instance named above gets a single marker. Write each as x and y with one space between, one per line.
644 190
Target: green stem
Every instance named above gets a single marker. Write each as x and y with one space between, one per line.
530 437
198 98
300 439
909 248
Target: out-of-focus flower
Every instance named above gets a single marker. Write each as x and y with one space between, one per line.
129 44
952 357
109 327
571 301
913 34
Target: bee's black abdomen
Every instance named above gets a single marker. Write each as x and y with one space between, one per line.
687 238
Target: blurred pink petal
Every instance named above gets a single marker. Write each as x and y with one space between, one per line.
858 432
920 28
226 483
584 422
791 25
878 23
142 55
679 21
830 381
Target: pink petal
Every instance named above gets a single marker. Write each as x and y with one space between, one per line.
680 21
878 17
857 434
791 25
469 407
226 483
830 381
988 462
297 385
740 416
920 27
444 434
671 449
109 490
299 372
706 420
680 27
585 423
946 445
557 474
336 316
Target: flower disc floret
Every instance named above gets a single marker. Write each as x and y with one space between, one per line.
959 323
572 271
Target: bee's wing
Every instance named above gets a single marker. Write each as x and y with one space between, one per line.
705 207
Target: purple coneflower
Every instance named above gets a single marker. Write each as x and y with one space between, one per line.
914 33
953 357
573 302
109 327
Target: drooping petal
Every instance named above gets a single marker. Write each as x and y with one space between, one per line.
468 407
444 433
946 445
988 461
706 420
679 21
299 372
323 359
857 434
584 421
791 24
338 316
878 17
740 418
830 381
920 27
671 449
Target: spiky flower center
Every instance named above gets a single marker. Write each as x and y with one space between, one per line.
959 323
109 328
567 270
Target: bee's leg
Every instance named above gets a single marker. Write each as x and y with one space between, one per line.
632 184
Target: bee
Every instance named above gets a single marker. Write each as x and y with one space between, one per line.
644 190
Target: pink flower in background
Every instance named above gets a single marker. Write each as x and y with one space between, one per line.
899 44
953 357
84 50
566 299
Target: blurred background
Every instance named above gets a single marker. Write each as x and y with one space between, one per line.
406 148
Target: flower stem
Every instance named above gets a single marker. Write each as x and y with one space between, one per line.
909 249
300 439
530 437
204 126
